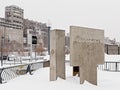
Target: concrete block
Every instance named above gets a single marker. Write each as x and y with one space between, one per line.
86 51
57 54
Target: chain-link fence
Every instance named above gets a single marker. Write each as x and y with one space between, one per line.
8 73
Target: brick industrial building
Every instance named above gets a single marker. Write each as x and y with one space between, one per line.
10 34
14 15
14 26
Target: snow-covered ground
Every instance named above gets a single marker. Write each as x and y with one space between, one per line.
40 81
112 58
26 59
108 58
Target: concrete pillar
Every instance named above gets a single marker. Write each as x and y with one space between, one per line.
57 54
88 72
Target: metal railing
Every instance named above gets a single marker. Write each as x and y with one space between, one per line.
110 66
11 72
8 73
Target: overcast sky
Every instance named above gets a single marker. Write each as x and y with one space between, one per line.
101 14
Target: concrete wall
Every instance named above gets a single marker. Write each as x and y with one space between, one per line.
57 54
86 51
86 43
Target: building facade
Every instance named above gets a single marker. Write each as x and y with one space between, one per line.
11 37
11 31
14 27
112 49
14 15
40 28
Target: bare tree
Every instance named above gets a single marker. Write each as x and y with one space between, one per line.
40 49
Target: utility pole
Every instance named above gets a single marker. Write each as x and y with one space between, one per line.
34 38
29 41
2 50
49 40
49 27
2 43
31 47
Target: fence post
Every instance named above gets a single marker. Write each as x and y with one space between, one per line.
105 66
116 66
107 49
1 75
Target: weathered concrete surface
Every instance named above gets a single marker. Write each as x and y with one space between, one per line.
57 54
88 72
86 51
